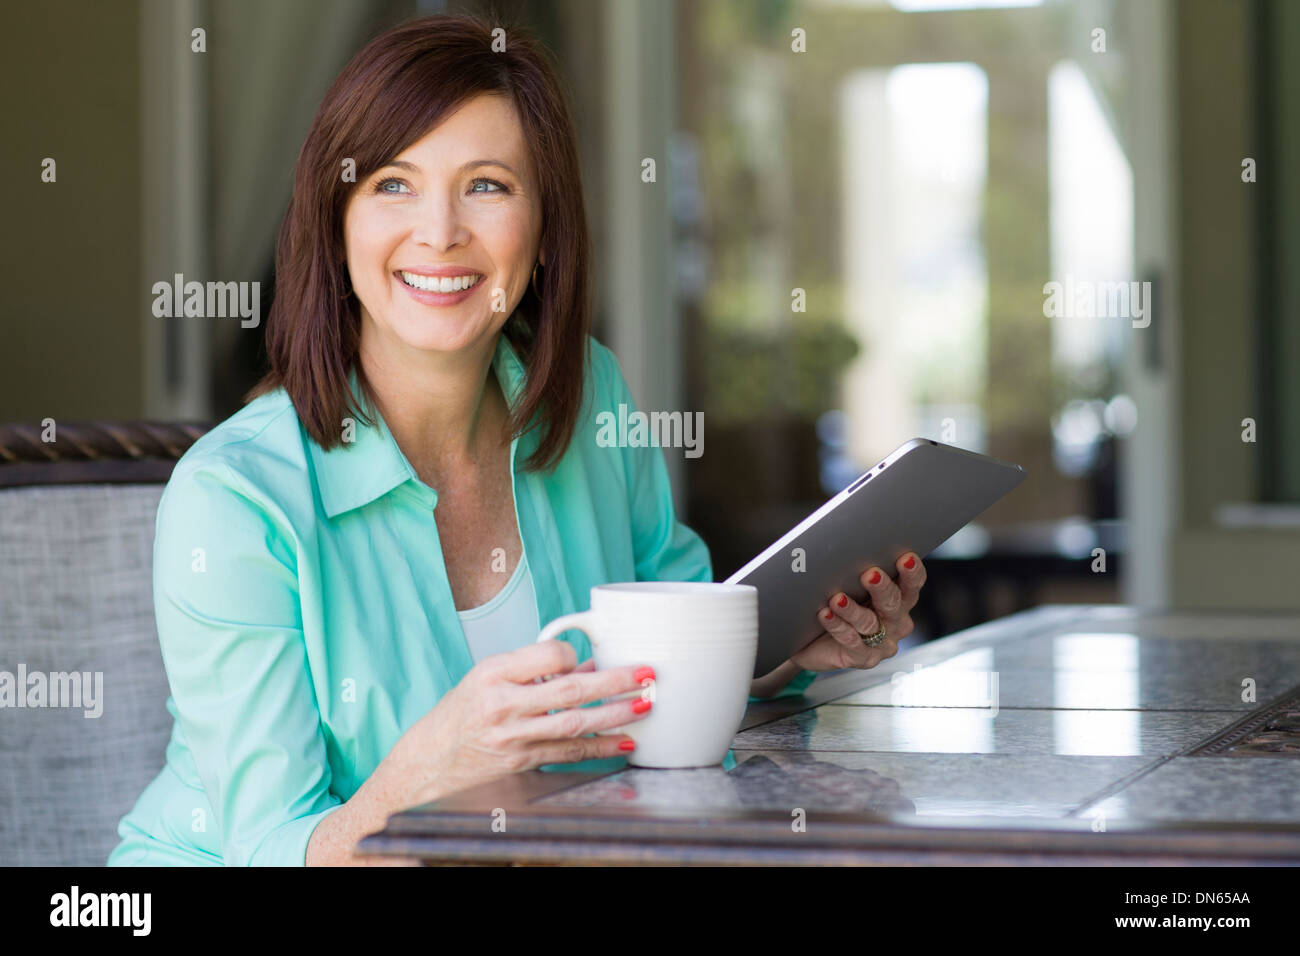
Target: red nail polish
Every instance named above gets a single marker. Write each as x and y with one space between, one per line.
627 745
827 614
843 601
641 706
644 673
875 576
910 563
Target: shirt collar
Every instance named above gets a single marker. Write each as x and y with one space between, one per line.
355 473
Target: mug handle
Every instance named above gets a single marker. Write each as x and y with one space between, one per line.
582 621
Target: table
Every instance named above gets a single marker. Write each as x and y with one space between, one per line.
1066 734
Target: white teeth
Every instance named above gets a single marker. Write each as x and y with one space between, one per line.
439 283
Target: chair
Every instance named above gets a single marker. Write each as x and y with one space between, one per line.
76 595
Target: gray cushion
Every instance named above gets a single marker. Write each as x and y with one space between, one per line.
76 594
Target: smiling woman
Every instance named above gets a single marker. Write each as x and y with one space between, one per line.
419 210
424 155
351 571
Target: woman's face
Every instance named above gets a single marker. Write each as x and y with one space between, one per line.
462 201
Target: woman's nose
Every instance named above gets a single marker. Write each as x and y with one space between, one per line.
438 224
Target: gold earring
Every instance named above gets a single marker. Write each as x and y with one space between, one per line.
536 291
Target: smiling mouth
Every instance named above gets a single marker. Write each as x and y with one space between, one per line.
439 283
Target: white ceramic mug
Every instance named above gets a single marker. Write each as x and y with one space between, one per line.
701 638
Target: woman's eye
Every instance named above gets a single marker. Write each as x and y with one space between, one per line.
397 187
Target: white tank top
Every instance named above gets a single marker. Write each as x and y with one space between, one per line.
505 623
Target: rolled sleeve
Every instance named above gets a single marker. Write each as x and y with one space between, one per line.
229 624
287 844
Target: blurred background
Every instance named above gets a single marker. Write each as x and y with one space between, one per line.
845 247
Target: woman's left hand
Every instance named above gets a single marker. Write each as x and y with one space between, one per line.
847 622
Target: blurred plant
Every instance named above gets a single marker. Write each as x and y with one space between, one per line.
793 373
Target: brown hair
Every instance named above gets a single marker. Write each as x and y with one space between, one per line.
389 96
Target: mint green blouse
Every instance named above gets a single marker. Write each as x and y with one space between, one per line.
306 621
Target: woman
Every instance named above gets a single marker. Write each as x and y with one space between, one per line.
350 572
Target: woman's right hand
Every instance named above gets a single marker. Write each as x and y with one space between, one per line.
495 721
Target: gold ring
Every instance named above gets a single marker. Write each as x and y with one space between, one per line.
875 640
